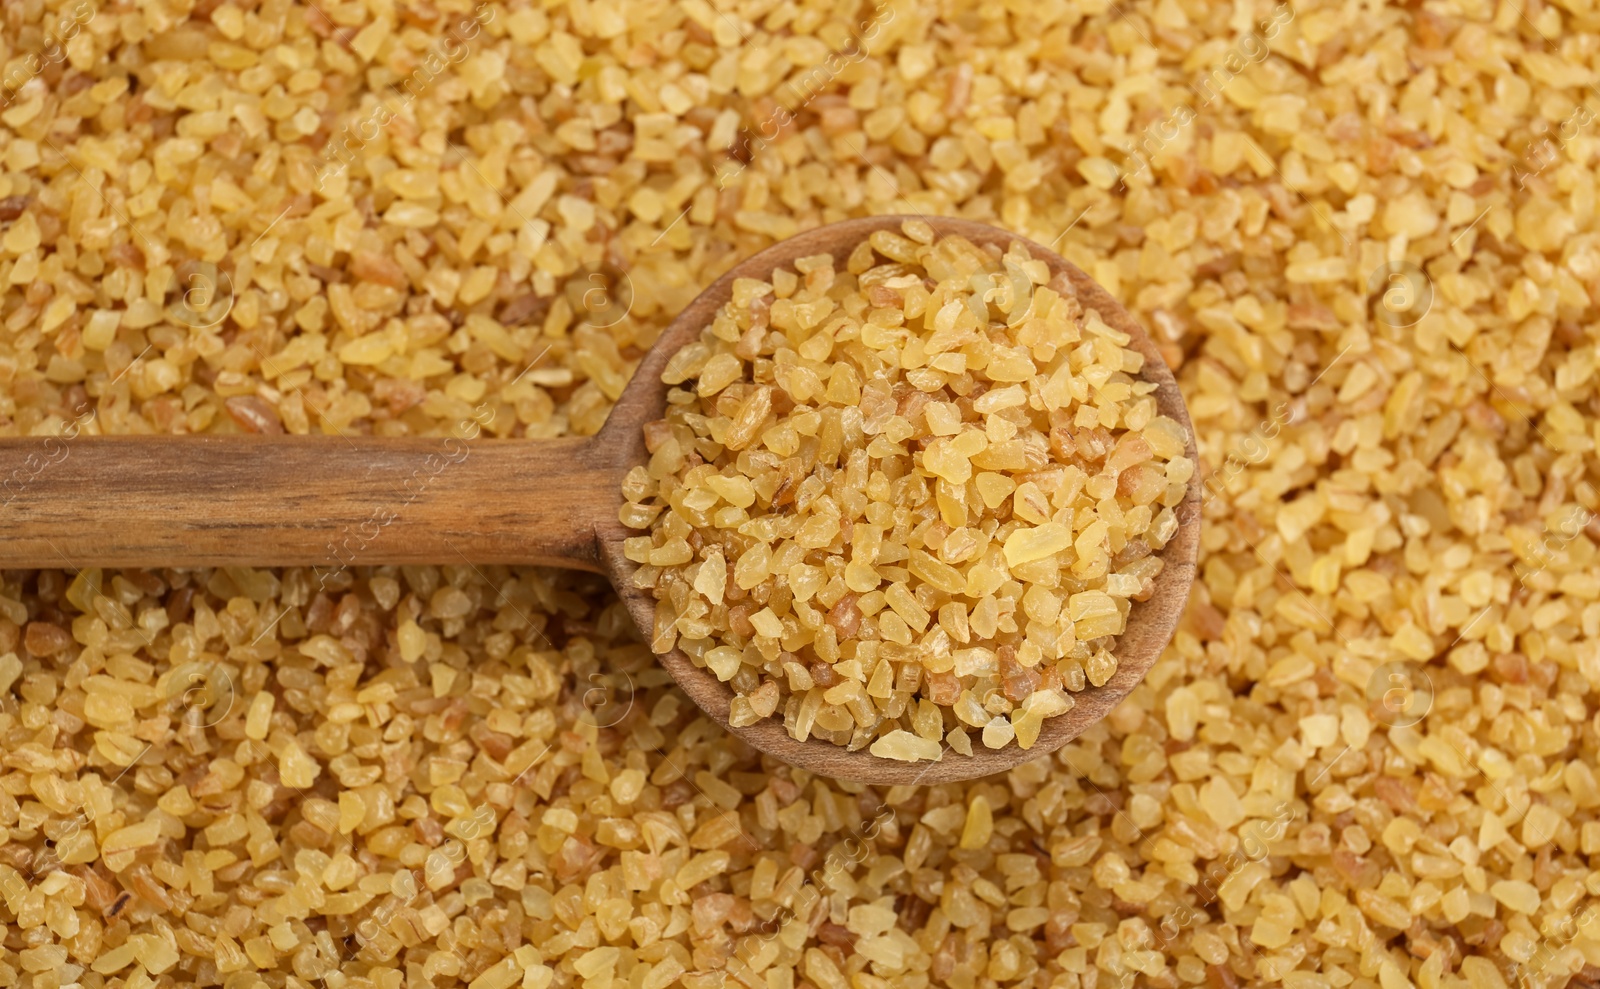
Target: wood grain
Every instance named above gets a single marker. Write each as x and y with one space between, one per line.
180 501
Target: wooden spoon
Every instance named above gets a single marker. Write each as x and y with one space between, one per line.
331 502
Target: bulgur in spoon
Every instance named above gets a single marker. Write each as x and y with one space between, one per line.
896 500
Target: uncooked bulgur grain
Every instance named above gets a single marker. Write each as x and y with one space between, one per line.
906 500
1383 490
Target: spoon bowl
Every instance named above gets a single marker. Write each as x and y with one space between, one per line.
1150 623
76 500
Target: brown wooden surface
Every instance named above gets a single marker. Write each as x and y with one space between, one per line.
1150 623
332 502
124 501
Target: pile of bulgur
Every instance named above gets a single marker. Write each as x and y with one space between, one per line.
923 493
1366 760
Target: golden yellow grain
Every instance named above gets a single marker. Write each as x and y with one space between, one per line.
938 429
1384 487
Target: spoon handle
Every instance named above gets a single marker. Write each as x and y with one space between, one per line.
166 501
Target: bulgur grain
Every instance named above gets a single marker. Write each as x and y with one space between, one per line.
1391 491
866 457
